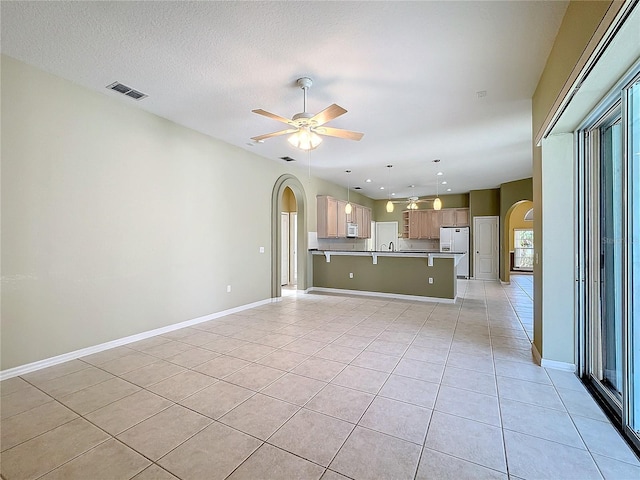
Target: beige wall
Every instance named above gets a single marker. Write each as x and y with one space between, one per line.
116 221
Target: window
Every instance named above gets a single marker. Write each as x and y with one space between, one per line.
523 249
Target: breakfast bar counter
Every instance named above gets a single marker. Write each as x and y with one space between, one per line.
417 275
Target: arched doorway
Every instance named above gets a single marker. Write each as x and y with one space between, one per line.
278 197
518 233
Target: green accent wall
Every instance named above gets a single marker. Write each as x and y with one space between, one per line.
456 200
482 203
511 193
581 28
398 275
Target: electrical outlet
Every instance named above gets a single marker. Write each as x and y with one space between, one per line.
228 288
261 249
430 280
351 275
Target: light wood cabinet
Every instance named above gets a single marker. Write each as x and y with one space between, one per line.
462 217
447 217
414 223
332 219
361 216
342 219
405 224
454 217
425 224
429 225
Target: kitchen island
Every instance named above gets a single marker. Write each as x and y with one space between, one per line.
414 275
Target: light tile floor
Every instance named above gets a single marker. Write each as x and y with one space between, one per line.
318 386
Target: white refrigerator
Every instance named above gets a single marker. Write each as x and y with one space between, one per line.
456 240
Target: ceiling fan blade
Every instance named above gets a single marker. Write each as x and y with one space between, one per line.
338 132
326 115
274 134
264 113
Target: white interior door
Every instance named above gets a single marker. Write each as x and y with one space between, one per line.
386 232
284 248
485 244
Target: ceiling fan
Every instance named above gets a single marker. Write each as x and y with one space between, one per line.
306 127
412 202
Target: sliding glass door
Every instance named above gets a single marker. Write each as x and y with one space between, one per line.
608 250
611 259
633 262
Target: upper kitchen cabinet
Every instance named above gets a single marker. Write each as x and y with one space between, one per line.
343 219
363 219
453 217
447 217
332 219
425 224
462 217
422 224
327 217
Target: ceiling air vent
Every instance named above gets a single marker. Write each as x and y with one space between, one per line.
288 159
128 91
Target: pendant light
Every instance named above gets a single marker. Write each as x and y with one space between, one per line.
389 202
348 208
437 203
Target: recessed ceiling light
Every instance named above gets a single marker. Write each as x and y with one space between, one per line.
448 189
368 180
439 174
444 183
381 188
392 194
437 160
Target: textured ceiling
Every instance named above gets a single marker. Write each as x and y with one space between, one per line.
407 72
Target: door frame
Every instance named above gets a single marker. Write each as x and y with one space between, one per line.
288 180
496 257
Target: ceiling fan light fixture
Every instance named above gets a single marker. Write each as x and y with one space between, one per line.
305 139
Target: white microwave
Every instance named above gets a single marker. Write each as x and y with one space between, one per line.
352 230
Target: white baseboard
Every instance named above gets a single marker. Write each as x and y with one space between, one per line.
396 296
554 364
65 357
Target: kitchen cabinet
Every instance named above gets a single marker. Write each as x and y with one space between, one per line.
453 217
447 217
364 228
332 219
327 216
425 224
414 223
422 224
429 224
462 217
342 219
